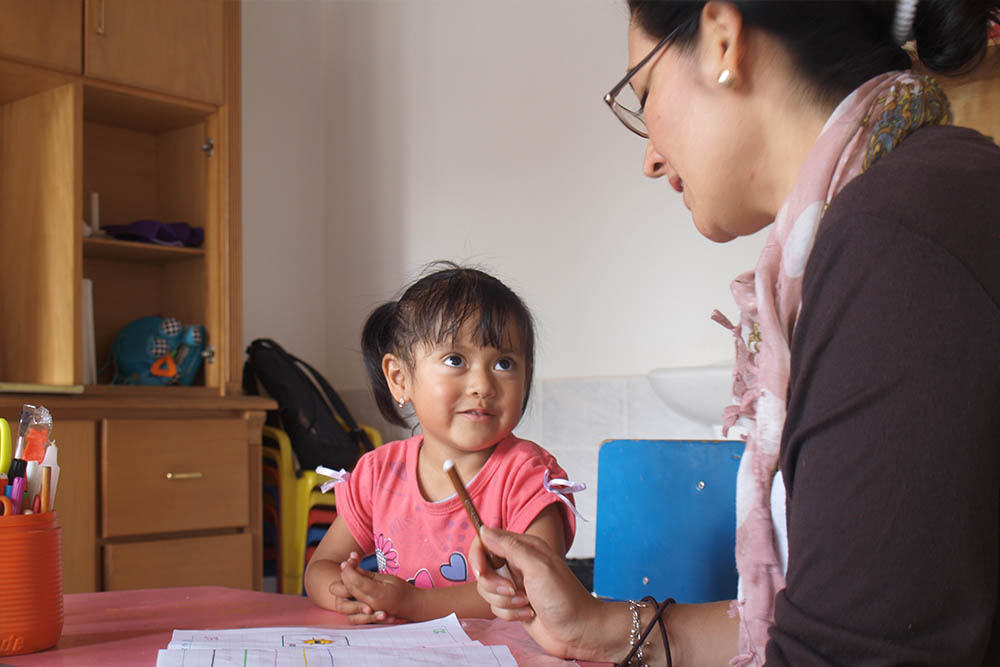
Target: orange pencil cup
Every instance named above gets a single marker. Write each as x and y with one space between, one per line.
31 609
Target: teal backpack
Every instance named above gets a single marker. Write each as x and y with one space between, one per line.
157 351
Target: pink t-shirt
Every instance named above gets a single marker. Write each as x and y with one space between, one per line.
426 542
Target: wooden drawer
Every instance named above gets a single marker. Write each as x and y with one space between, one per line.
162 476
216 560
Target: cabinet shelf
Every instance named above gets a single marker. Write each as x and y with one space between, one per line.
120 106
134 251
148 391
19 80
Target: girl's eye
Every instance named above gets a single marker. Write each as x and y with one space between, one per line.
504 365
454 361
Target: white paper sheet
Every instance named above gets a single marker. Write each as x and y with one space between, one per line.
473 655
441 642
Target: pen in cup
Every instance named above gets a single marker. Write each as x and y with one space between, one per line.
18 494
498 564
46 488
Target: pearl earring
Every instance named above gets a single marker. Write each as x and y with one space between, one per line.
726 78
401 402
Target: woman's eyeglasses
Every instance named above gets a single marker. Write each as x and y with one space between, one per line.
632 119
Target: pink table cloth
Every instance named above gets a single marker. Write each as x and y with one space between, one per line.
127 628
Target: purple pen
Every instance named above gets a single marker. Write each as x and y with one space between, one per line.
18 497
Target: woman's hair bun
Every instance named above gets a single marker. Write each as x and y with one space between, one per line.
952 35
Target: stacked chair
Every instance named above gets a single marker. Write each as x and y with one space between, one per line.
296 512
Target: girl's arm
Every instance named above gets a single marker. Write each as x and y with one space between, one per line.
568 622
398 598
323 575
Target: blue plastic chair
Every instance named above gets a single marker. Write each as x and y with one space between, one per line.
666 519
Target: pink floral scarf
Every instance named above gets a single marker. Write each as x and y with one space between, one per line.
866 125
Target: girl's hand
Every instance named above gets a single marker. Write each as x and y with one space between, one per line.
343 601
545 596
379 598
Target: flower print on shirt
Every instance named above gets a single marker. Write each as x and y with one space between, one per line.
385 555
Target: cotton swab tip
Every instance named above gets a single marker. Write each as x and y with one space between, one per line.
448 465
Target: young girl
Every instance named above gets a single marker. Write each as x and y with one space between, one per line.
458 346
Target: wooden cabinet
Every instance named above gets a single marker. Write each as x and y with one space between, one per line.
163 45
156 492
147 155
42 32
148 118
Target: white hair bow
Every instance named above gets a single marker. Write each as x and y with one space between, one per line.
902 25
337 476
562 488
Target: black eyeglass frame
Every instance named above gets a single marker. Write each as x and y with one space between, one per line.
621 112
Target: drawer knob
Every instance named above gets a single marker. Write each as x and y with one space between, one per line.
184 475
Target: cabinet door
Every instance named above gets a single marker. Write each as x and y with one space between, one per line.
40 238
213 560
162 45
42 32
76 503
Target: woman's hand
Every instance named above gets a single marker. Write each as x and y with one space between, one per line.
545 596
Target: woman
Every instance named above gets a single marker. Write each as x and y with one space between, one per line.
868 349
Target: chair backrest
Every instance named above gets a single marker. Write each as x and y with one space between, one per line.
666 519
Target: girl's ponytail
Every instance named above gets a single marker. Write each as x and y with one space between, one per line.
951 35
377 340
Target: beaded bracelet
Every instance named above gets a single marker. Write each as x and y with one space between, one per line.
637 639
635 646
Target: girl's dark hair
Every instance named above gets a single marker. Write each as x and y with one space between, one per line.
433 310
840 44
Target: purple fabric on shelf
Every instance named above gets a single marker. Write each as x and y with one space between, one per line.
192 237
154 231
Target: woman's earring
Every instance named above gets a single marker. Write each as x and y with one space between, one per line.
401 402
726 78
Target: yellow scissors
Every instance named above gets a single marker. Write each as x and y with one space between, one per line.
6 453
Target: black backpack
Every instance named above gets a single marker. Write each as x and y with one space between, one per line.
306 407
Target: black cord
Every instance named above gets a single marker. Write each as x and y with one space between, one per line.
662 607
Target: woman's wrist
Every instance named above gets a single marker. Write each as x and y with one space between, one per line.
606 631
648 640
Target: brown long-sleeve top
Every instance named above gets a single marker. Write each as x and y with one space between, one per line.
891 448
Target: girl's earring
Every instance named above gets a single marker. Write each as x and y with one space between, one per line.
401 402
726 78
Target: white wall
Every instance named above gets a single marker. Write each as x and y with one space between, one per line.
285 225
475 131
380 135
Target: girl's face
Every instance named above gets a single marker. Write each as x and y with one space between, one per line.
700 135
467 397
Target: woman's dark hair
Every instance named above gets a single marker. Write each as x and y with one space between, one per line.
840 44
433 310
